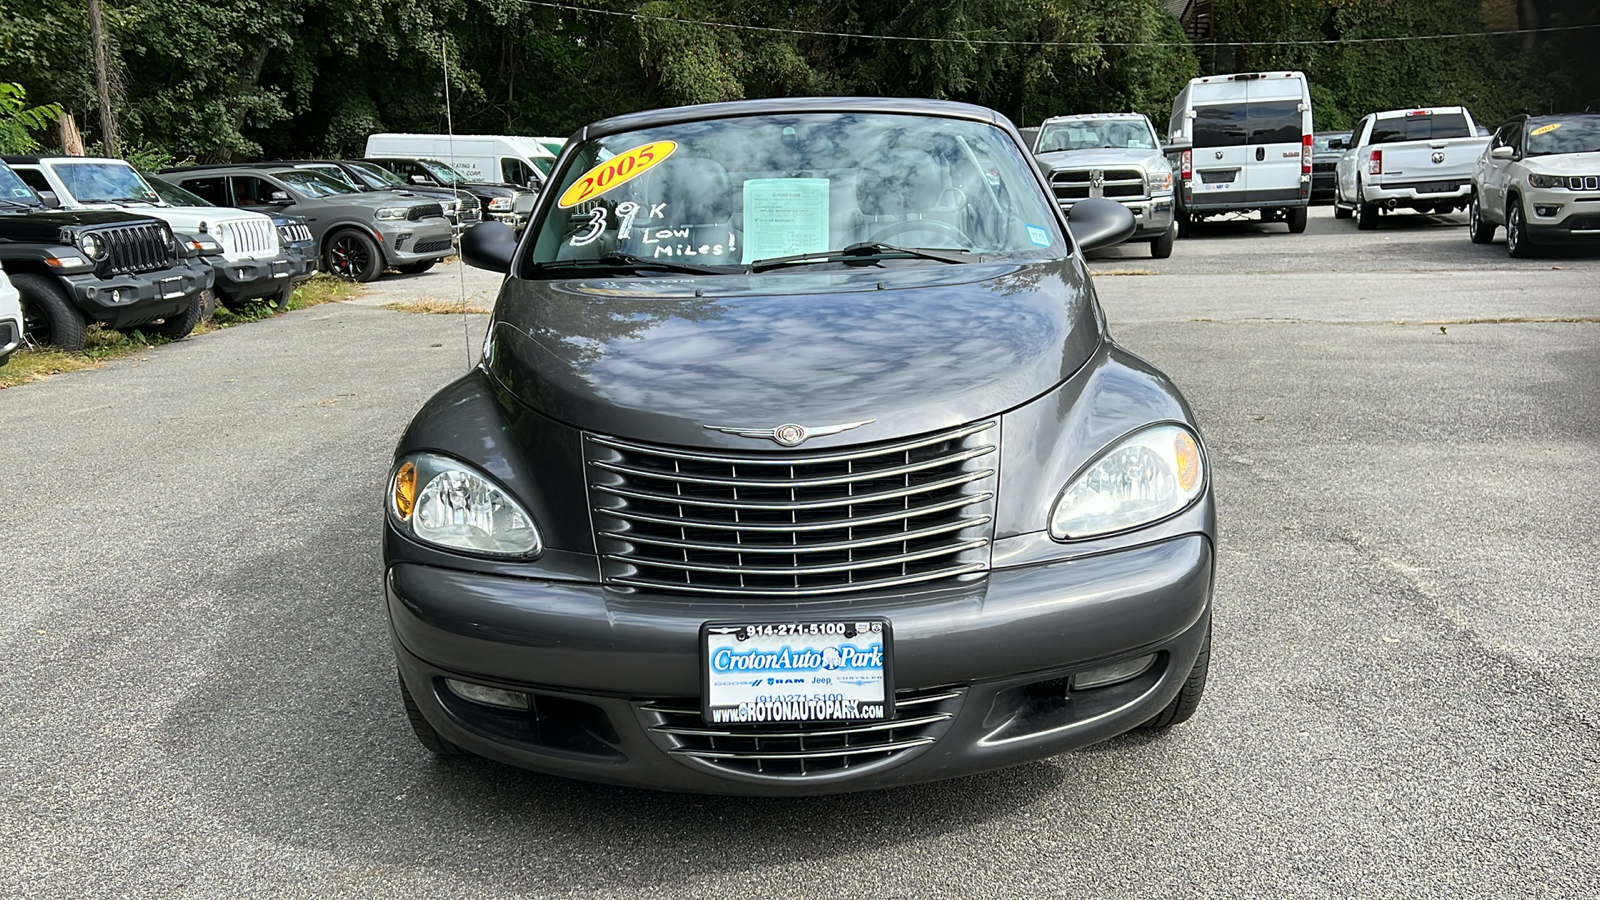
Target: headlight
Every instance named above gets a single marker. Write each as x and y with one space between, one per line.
1158 181
204 244
1546 181
500 204
392 212
92 246
449 504
1148 475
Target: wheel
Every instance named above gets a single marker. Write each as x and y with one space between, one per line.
1517 242
353 256
1185 224
437 744
1297 219
416 268
280 300
930 225
48 317
177 327
1342 212
1366 213
1188 699
1478 228
1161 247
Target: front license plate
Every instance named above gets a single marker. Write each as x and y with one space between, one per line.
171 287
835 671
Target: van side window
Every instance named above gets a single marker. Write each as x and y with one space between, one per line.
213 190
1275 122
515 171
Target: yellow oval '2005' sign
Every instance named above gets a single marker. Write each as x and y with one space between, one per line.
617 170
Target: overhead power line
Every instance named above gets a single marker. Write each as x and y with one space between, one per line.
806 32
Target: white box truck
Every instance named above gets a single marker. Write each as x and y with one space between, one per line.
488 158
1242 143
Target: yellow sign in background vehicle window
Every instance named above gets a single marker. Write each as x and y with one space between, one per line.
617 170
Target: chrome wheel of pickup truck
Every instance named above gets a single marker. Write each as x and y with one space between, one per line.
1366 213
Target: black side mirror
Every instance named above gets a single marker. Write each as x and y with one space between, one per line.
489 245
1097 223
49 199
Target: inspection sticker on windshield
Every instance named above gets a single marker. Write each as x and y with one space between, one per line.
835 671
618 170
1039 236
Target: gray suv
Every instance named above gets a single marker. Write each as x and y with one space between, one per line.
358 234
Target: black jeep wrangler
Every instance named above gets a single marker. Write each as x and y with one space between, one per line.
122 270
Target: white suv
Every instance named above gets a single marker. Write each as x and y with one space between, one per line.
1540 178
10 319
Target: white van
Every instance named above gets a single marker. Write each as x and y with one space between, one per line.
1242 143
487 158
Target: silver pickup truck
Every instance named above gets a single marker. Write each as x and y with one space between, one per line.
1418 159
1116 156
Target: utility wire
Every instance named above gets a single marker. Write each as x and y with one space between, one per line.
804 32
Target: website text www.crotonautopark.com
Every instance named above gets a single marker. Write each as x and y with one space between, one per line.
798 711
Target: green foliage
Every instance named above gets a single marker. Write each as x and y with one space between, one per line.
17 119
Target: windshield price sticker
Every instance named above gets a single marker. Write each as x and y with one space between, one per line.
796 672
616 171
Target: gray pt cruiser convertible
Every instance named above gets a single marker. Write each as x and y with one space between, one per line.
799 461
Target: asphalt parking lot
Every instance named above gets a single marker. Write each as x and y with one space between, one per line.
198 698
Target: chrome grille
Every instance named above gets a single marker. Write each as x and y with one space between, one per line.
1077 184
471 210
1583 183
137 248
784 523
522 202
425 211
800 750
245 236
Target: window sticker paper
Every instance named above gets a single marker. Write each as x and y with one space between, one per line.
784 216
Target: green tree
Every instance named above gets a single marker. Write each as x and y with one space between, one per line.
18 120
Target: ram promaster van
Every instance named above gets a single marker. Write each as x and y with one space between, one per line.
1241 143
491 158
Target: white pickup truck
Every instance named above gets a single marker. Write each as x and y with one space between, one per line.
257 262
1419 159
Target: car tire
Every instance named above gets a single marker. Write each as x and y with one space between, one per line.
427 736
1185 223
1184 705
1161 247
1341 212
1297 219
280 300
416 268
48 317
352 256
1366 213
177 327
1517 243
1479 229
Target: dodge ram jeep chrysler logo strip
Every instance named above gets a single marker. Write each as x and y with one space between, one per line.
789 435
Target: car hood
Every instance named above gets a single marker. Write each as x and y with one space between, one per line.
189 218
1102 157
1564 164
39 227
908 349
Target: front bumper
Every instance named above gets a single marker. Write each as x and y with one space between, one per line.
10 338
1152 216
516 220
608 670
123 301
253 279
1573 217
409 242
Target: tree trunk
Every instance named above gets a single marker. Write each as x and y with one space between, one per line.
248 79
71 140
102 79
1529 15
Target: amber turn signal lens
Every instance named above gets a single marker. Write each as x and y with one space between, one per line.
405 489
1188 459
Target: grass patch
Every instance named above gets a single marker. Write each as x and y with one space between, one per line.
432 307
102 344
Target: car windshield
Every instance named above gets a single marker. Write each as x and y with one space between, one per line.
333 172
1093 134
172 195
1321 143
376 176
311 184
442 173
105 183
732 192
13 191
1577 134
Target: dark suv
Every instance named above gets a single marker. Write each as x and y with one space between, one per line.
501 202
358 235
118 269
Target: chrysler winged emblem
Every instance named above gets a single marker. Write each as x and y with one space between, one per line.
788 435
1438 157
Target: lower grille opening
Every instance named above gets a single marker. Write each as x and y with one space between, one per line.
788 751
554 724
431 246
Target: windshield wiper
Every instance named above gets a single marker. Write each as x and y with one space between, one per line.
629 261
866 250
114 200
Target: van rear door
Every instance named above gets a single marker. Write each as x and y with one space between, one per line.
1220 131
1277 126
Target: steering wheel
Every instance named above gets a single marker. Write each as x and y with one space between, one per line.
898 228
